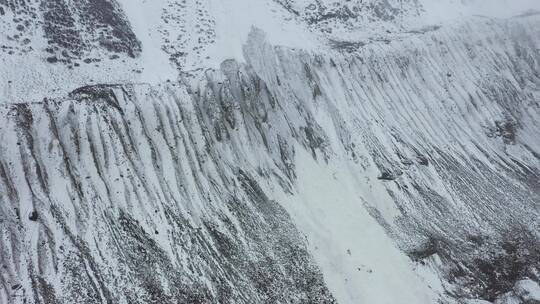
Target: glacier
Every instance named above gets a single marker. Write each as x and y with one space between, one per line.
284 157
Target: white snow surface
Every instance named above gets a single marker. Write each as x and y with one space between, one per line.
360 262
383 105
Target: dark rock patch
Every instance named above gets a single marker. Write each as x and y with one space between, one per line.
52 59
387 175
422 160
346 46
33 216
16 287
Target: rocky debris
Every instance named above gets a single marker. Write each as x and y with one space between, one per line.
505 129
245 249
525 291
430 248
97 93
52 59
16 287
407 162
495 272
33 216
178 35
346 46
422 160
72 30
389 175
349 15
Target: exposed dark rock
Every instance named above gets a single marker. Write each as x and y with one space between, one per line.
507 130
390 175
426 250
96 93
33 216
407 162
422 160
16 287
52 59
77 28
347 46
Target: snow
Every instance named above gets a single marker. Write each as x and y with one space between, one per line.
527 290
384 106
447 10
236 18
145 18
359 260
207 33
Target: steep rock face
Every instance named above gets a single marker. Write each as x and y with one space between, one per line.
266 182
449 127
119 194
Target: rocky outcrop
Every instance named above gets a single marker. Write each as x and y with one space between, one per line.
72 32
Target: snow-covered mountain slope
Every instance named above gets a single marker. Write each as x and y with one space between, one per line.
58 46
400 164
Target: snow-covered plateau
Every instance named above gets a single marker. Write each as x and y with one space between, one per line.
269 151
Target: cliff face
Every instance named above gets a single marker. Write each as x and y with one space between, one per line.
395 171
